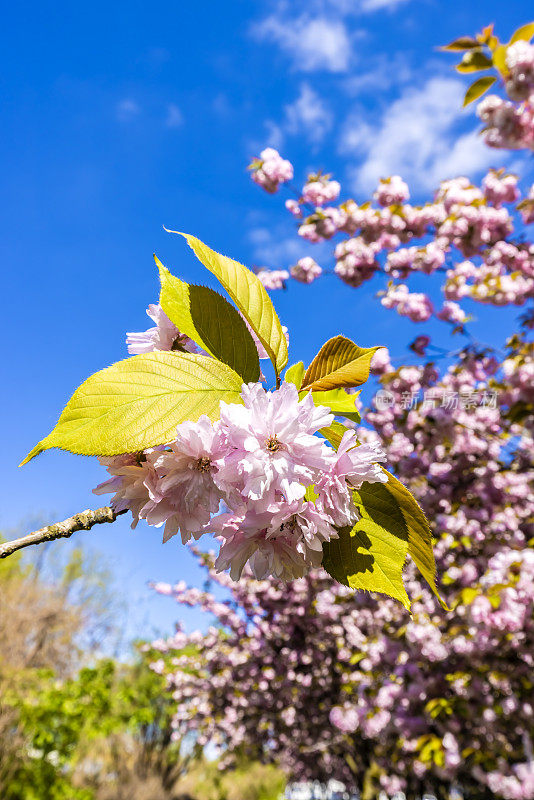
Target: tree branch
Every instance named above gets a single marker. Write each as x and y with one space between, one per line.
62 530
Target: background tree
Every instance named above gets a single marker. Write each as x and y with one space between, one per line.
335 683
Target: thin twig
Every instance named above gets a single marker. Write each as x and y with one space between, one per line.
62 530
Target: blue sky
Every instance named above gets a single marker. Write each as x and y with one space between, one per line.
121 117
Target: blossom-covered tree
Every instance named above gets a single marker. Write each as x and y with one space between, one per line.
334 683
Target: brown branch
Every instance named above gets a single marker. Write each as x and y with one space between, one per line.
62 530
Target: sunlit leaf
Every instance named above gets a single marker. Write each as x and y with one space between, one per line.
371 555
294 374
419 534
499 59
460 44
137 403
473 61
478 88
210 321
334 433
524 33
340 403
249 295
339 362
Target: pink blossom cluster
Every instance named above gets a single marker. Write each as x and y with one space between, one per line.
506 277
322 672
306 270
519 83
258 460
356 261
270 170
475 223
344 684
509 123
256 463
415 305
163 336
452 312
500 187
392 191
506 124
320 190
526 207
273 278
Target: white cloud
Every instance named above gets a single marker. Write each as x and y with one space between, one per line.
313 43
378 5
308 115
274 249
418 139
127 110
333 8
174 116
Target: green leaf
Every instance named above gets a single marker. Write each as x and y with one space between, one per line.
499 59
340 402
525 32
137 403
210 321
419 534
249 295
295 373
339 362
460 44
473 61
478 88
310 494
334 433
371 555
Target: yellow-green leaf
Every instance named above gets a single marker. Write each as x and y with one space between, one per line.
499 59
210 321
419 534
294 374
525 32
478 88
249 295
334 433
371 555
137 403
473 61
460 44
339 362
340 402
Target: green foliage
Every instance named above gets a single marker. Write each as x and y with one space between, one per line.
249 781
210 321
334 433
525 33
476 58
339 362
474 61
249 295
371 555
419 534
62 722
295 374
461 44
478 88
137 403
340 402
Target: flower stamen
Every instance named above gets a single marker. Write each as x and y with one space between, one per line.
272 444
203 464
